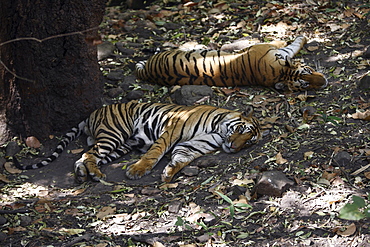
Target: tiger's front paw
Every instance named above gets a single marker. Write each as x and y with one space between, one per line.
137 170
82 171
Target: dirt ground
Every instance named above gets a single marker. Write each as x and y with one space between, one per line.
314 138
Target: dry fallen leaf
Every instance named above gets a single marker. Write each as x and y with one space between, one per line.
328 175
105 211
347 231
308 155
11 169
33 142
362 115
280 160
169 186
4 179
77 151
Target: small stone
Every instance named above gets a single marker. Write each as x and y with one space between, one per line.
150 191
190 171
364 82
33 142
174 207
171 26
272 183
105 50
203 238
309 109
128 81
114 92
3 220
342 158
190 94
134 95
123 50
25 221
115 75
12 148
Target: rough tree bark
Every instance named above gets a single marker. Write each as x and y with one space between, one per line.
63 78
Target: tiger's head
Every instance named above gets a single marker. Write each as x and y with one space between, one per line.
243 131
302 77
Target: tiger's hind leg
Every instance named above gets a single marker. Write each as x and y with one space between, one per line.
89 163
186 152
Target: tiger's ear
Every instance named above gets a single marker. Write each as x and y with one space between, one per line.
248 112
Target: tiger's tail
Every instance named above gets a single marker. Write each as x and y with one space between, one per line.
140 71
70 136
291 50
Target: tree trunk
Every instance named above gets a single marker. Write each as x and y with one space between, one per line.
48 86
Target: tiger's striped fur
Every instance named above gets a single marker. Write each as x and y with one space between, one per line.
154 128
268 65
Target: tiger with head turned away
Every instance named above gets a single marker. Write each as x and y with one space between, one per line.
155 128
267 64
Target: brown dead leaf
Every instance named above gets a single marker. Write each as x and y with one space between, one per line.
9 167
290 128
33 142
348 12
347 231
367 175
271 119
308 155
280 160
77 151
358 15
228 91
362 115
4 179
169 186
328 175
105 211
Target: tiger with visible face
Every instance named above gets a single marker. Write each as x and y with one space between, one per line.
268 65
155 128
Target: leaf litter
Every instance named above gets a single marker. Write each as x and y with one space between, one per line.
318 138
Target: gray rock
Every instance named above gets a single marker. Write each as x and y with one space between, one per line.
115 75
189 94
171 26
134 95
12 148
342 158
364 83
105 50
123 50
25 220
174 207
272 183
203 238
114 92
128 81
3 220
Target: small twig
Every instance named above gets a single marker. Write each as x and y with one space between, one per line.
40 41
51 37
